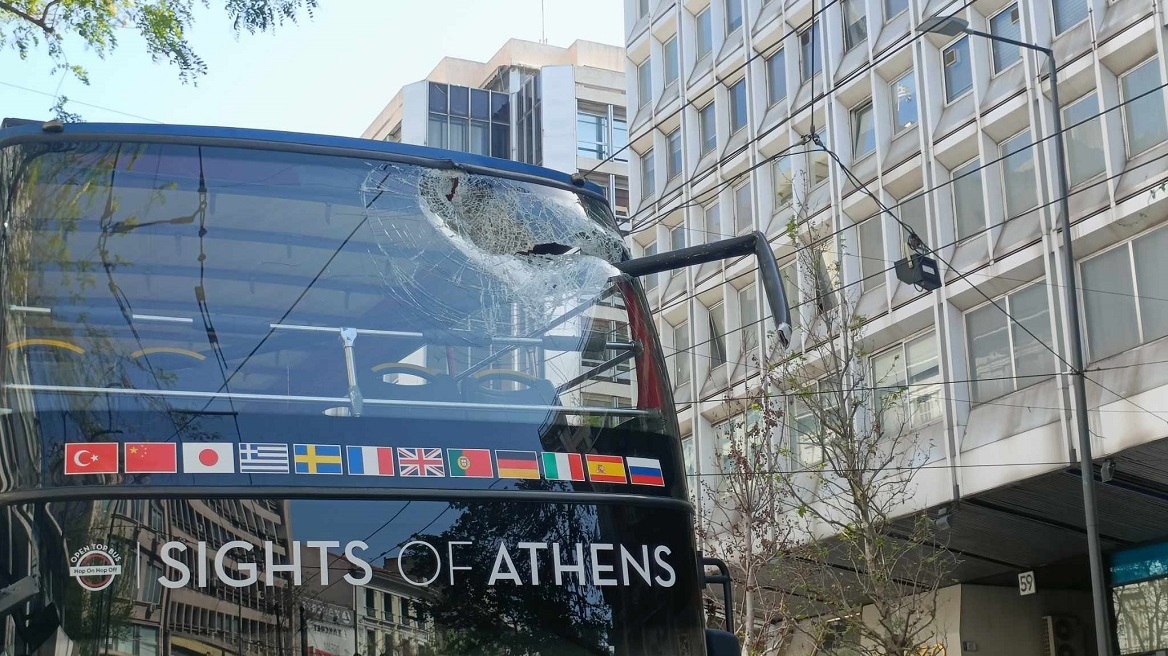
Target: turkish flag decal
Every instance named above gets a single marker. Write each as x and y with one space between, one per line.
151 458
91 458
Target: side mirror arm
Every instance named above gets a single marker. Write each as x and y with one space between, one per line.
753 243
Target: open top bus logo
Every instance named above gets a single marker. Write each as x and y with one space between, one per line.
95 566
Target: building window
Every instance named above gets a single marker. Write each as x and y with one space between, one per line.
595 354
809 45
789 273
1144 119
738 106
717 316
968 200
620 134
705 33
913 213
1006 24
1085 157
647 173
707 128
743 220
733 15
651 279
620 198
1068 13
677 239
1002 356
819 162
894 8
642 8
806 437
855 23
783 180
669 52
712 220
863 132
681 354
1018 175
689 459
644 82
748 315
958 72
592 133
673 161
872 263
908 379
1120 298
904 102
776 72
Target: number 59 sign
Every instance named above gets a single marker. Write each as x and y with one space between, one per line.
1026 584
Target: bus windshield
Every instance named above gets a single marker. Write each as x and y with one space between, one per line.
272 401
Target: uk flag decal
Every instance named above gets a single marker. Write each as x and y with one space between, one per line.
417 463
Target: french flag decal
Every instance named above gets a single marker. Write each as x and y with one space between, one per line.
645 471
370 460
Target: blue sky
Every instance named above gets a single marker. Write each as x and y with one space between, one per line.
330 74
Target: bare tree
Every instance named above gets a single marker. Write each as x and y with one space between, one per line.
867 569
744 524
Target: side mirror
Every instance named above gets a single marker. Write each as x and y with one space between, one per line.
722 643
755 243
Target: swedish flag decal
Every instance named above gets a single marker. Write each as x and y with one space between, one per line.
317 458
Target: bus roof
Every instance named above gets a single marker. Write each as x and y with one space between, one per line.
19 130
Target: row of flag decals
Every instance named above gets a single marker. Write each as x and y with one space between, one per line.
326 459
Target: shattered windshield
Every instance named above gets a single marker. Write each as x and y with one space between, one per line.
249 300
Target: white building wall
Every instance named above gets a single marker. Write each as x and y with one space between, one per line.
980 443
558 102
415 110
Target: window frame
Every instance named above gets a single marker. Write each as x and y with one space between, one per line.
671 63
902 346
779 56
981 183
648 174
681 355
1133 272
749 330
776 165
994 70
810 37
1068 131
889 16
1009 323
1152 61
849 45
897 128
945 71
717 341
701 54
645 83
726 16
1003 157
716 233
733 103
707 143
673 167
739 227
866 286
854 120
1054 28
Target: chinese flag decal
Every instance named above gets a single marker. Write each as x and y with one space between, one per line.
151 458
91 458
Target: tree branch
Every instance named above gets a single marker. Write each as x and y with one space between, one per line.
29 18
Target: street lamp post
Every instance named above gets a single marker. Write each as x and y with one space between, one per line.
955 26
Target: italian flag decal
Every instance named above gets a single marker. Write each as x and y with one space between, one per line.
563 466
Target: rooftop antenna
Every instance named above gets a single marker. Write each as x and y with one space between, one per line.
543 22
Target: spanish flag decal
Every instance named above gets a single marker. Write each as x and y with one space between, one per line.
606 469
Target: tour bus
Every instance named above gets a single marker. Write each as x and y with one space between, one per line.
268 393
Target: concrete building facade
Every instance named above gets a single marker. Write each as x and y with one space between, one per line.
955 136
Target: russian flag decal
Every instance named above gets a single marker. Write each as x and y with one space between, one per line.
645 471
